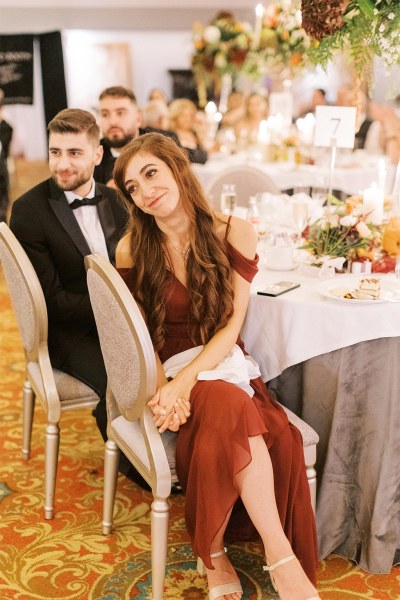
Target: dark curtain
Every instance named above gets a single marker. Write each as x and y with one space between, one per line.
53 76
16 68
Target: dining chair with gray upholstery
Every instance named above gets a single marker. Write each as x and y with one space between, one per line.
248 180
131 381
131 371
56 391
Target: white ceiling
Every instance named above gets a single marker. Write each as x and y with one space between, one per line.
146 4
39 16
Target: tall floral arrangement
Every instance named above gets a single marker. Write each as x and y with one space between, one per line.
363 28
282 44
229 46
219 48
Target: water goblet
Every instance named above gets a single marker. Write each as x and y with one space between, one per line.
228 198
299 218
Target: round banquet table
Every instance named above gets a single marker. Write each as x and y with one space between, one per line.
336 365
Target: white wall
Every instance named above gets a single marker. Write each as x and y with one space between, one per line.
151 55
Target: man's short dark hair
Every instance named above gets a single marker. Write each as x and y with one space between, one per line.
118 91
75 120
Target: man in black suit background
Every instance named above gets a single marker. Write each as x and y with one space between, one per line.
6 132
57 234
120 122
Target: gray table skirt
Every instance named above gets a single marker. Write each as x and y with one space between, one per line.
351 397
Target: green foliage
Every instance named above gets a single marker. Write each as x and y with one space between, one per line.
371 28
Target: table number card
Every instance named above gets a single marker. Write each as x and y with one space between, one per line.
335 123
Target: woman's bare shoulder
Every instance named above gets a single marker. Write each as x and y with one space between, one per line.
123 256
241 234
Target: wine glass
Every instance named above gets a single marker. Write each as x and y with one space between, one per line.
228 198
299 218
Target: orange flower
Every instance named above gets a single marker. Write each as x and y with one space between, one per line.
296 58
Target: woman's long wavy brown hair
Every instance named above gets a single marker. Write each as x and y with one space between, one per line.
208 271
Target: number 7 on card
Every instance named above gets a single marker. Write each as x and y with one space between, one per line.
335 123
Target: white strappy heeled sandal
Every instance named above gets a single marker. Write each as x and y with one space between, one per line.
219 590
281 562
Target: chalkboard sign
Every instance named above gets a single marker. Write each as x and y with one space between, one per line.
16 68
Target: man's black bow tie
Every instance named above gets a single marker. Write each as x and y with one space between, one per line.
77 203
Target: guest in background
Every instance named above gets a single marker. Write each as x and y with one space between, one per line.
120 121
190 270
155 114
158 94
6 132
182 120
235 109
389 132
256 110
57 230
368 132
318 98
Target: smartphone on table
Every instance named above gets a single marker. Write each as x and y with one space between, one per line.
276 289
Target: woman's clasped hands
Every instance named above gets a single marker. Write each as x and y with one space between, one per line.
170 407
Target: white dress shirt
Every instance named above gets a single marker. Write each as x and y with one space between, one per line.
89 222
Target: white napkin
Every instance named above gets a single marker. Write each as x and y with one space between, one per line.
235 368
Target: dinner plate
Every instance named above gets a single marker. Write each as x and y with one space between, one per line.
334 289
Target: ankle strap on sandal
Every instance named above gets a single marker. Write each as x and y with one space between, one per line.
281 562
219 553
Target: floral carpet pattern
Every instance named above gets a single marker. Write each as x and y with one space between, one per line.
68 558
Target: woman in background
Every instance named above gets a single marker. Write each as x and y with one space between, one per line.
182 120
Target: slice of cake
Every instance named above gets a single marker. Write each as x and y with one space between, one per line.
370 286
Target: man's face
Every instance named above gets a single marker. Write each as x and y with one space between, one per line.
119 120
72 158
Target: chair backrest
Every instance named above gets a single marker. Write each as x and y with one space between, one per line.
248 180
26 293
124 339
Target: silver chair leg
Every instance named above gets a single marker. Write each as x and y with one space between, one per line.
28 402
111 461
51 462
159 541
310 458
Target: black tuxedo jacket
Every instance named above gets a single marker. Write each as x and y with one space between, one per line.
45 225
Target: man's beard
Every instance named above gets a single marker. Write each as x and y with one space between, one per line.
72 185
119 143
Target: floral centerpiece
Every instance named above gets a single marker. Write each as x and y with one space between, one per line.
229 46
282 43
219 48
345 232
364 28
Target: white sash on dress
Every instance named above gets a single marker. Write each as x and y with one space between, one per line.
235 368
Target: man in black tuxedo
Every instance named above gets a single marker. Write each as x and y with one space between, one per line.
6 132
57 234
120 121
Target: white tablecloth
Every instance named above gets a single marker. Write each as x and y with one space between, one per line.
301 324
349 179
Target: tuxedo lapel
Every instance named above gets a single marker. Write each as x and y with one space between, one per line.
112 232
64 214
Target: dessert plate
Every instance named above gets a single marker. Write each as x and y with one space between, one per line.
335 289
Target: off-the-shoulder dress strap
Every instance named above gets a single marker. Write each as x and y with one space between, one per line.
228 227
246 267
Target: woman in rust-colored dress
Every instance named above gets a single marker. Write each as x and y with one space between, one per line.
239 460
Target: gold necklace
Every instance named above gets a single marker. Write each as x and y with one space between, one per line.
183 252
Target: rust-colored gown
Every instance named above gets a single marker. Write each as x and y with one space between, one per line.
213 445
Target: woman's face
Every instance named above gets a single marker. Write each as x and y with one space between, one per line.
256 107
151 185
185 119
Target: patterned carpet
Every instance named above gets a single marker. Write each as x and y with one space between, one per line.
68 558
